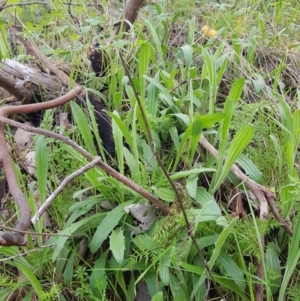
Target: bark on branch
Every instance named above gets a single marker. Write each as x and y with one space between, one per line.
17 238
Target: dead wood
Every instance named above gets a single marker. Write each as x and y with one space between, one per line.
131 11
265 198
109 170
17 238
25 82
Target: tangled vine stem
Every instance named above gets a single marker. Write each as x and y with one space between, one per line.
17 238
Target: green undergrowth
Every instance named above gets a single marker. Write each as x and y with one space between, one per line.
234 82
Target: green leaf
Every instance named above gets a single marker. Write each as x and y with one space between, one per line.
156 41
210 70
191 185
273 266
110 221
164 194
41 161
82 123
177 291
144 59
158 297
196 133
4 50
35 283
239 142
218 247
208 121
230 103
228 283
98 278
163 269
187 173
292 259
115 116
117 244
232 270
250 168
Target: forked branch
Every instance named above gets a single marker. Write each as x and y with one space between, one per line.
17 238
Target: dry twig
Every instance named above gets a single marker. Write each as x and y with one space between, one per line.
265 198
109 170
17 239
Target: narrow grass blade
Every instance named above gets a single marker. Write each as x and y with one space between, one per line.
144 59
230 103
292 259
41 161
82 123
35 283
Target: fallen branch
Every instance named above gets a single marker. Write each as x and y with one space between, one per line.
265 198
109 170
17 239
61 187
264 195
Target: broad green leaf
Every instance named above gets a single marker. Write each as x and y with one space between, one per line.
158 297
152 97
219 279
273 267
110 221
196 133
178 293
218 247
164 268
203 242
98 278
69 268
184 145
187 51
94 127
250 168
117 244
239 142
286 117
222 69
191 185
185 118
156 41
232 269
165 95
164 194
132 164
82 226
279 154
208 121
